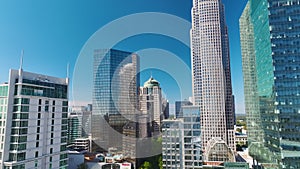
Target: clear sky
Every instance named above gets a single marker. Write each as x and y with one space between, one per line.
52 34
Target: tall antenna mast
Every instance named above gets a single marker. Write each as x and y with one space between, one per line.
68 67
21 59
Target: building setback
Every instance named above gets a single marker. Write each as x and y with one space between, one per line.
270 51
211 76
33 109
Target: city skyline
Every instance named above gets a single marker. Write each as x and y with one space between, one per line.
47 39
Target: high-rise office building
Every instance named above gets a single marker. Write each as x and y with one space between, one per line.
74 126
165 108
270 50
151 103
181 141
178 107
115 98
86 120
33 110
172 144
192 137
211 78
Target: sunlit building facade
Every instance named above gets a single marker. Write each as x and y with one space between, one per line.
115 96
270 32
211 75
34 112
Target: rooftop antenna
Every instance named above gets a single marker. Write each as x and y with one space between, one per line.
68 68
67 78
20 72
21 59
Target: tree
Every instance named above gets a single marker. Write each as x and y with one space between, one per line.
160 162
146 165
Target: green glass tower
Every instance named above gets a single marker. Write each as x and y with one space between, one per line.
270 31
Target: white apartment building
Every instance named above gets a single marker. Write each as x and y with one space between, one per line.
33 123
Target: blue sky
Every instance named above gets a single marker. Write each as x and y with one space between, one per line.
52 34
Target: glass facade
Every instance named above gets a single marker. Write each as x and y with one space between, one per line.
114 96
172 144
43 89
4 91
179 104
270 31
192 137
74 128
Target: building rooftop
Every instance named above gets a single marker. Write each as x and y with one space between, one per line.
151 83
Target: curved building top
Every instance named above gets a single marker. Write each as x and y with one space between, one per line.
151 83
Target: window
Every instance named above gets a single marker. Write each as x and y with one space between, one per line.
20 115
21 101
51 150
21 109
64 115
40 101
65 103
36 154
64 109
17 157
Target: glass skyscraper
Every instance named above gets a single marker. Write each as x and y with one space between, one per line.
270 33
115 98
211 76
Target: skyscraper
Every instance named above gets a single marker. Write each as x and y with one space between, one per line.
270 50
115 96
151 104
212 89
74 126
33 110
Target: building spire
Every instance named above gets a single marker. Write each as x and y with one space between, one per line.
67 78
68 69
21 59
